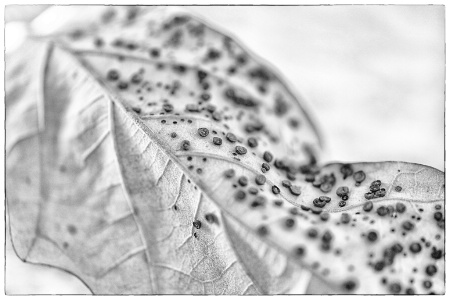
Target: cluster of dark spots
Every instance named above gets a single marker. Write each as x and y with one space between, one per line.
346 170
375 191
325 183
321 201
260 179
229 173
239 195
197 224
265 167
359 177
435 253
185 145
239 98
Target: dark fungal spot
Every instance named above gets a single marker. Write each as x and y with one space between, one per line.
300 251
400 207
398 188
359 176
293 211
197 224
342 203
327 236
72 229
312 233
324 216
267 156
136 110
260 179
346 170
438 216
345 218
203 132
259 201
325 198
241 150
278 202
239 195
395 288
410 291
185 145
316 210
252 142
262 230
275 190
326 187
252 190
295 190
415 247
349 285
122 85
113 75
229 173
243 181
372 236
345 197
382 211
167 107
430 270
305 208
211 218
436 254
286 183
407 225
231 137
217 141
368 206
427 284
379 265
289 223
310 177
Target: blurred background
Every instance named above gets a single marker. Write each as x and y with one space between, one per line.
372 76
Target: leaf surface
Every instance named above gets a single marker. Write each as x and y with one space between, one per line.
115 171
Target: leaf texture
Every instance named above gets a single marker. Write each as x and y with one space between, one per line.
147 153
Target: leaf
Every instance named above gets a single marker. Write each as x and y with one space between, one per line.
103 184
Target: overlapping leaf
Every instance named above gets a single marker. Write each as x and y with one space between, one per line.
148 153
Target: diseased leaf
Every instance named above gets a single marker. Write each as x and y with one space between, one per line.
147 153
